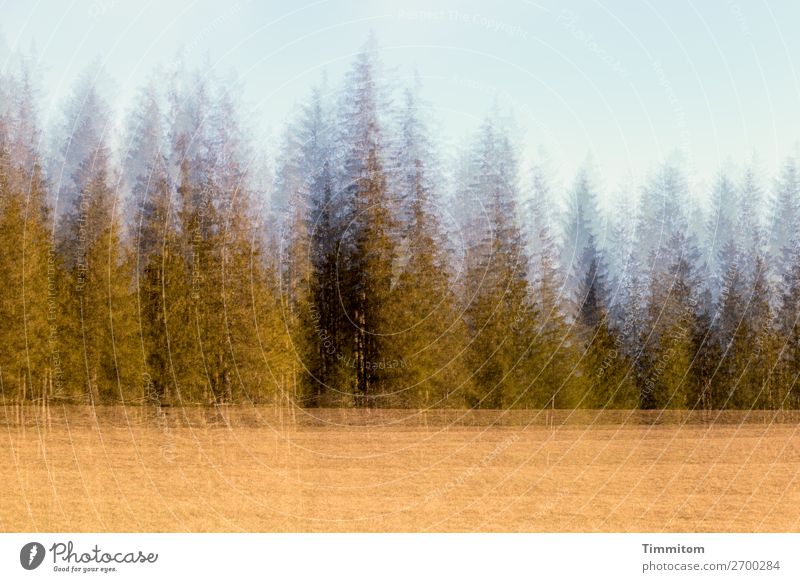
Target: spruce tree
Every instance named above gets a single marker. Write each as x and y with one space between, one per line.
607 381
429 335
672 305
31 365
98 315
555 347
368 243
500 308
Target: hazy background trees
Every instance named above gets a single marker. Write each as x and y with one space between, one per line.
149 263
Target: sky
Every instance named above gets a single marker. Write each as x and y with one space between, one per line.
629 81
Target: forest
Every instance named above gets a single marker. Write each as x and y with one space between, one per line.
175 262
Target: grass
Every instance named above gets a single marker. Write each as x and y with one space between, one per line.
253 469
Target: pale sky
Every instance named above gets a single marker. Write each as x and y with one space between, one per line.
629 80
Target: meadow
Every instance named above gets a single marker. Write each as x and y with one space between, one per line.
75 468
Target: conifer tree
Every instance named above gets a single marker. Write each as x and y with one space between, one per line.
789 326
98 314
555 349
722 245
672 306
607 382
313 255
196 334
30 362
582 222
368 243
500 309
160 274
785 217
430 336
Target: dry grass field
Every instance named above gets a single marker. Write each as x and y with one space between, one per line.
259 470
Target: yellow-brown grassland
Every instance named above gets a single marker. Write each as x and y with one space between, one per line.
263 469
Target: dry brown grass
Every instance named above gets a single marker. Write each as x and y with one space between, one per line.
78 469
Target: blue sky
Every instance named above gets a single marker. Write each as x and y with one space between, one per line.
629 80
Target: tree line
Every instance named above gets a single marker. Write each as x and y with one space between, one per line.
172 263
